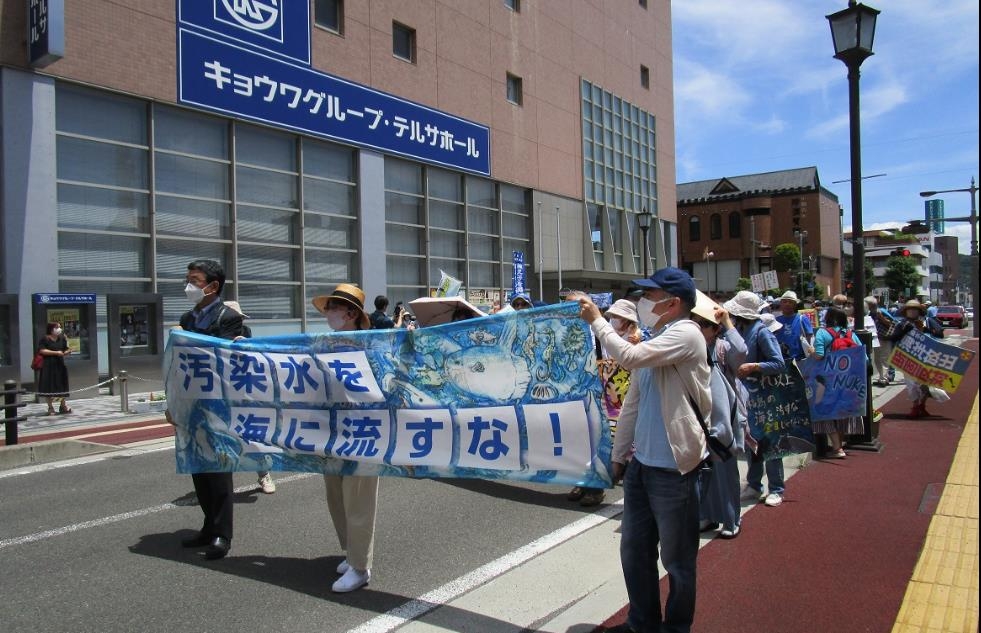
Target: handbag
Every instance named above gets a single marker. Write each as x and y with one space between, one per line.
38 362
718 451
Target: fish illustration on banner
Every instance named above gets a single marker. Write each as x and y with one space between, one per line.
778 412
836 384
514 396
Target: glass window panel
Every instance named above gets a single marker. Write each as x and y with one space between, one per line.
325 230
484 247
329 14
101 163
329 197
193 218
324 266
453 268
735 225
407 240
191 176
515 225
329 161
485 274
445 215
595 223
447 244
173 256
266 263
190 132
406 270
265 187
268 301
404 209
403 176
256 224
613 216
715 226
265 148
102 209
446 185
484 221
481 192
91 255
514 198
81 111
694 229
517 245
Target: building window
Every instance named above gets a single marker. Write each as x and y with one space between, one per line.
514 5
514 89
694 229
645 77
643 4
715 227
329 14
404 42
735 225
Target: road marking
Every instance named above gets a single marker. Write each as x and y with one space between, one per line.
125 516
78 461
440 596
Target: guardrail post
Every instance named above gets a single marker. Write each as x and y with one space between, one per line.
123 391
10 411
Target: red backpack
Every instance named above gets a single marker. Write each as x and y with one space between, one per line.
841 340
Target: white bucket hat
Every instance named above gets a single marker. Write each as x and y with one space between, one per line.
623 309
770 322
791 295
745 304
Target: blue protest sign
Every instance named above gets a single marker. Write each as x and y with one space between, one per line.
518 276
513 396
779 417
836 384
236 81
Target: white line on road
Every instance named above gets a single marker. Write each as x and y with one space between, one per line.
442 595
116 518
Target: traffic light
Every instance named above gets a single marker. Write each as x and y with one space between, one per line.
900 252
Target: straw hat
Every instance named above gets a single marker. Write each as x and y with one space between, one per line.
745 304
912 304
790 295
623 309
349 294
705 307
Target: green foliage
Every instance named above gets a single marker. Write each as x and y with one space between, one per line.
901 275
786 257
743 283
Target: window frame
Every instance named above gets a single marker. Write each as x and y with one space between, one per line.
514 85
410 33
318 5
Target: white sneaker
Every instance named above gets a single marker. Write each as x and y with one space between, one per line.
266 484
351 580
733 533
343 567
773 499
749 494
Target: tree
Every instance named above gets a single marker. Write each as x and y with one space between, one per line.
743 283
902 277
786 258
869 274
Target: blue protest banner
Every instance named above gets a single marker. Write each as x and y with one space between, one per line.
238 81
779 417
836 384
513 396
518 276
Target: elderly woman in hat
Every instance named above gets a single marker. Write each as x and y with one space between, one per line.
351 499
913 315
763 357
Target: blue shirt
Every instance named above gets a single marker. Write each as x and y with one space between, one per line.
651 439
204 317
794 326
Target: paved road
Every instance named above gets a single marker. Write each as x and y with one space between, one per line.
95 547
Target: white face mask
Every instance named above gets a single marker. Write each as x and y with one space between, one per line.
57 331
645 308
336 320
194 294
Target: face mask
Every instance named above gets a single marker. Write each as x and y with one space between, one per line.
645 308
617 323
335 318
193 293
57 331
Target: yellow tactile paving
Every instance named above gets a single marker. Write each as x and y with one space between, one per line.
942 596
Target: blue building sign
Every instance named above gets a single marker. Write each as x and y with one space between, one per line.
280 27
227 69
935 215
53 298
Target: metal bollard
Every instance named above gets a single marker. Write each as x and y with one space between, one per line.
10 405
123 391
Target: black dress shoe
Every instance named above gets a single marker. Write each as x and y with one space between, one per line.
196 541
218 547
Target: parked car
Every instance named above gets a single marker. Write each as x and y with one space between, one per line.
969 313
952 316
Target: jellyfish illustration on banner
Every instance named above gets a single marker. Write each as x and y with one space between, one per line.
514 396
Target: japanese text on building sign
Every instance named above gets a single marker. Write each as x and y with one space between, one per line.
456 400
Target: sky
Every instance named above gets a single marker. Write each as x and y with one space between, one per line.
757 89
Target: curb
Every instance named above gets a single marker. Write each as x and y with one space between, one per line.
44 451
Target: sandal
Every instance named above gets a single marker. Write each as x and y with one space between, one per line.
575 494
64 410
50 412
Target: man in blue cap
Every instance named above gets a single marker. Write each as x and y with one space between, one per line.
661 416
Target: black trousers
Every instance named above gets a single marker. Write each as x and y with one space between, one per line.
214 492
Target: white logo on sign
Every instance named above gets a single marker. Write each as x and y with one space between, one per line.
255 15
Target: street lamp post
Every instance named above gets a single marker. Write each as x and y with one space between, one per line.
708 270
801 236
973 219
644 222
852 31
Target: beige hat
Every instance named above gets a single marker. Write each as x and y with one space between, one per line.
911 304
705 307
790 295
350 294
770 322
745 304
623 309
235 307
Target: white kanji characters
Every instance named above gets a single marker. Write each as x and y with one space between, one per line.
312 95
284 88
220 74
489 438
432 134
446 140
266 81
334 110
242 85
375 113
423 437
401 125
